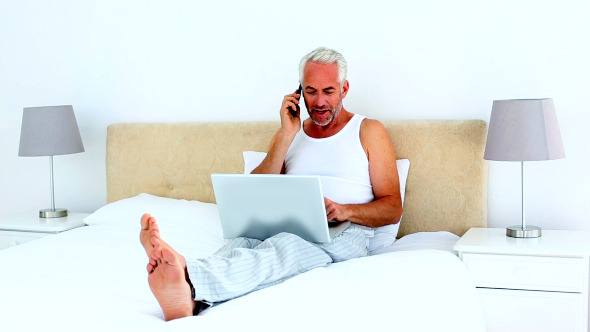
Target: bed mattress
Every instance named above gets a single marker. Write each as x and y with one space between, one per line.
94 278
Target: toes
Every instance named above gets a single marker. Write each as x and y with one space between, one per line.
168 256
156 256
153 224
145 220
155 241
155 233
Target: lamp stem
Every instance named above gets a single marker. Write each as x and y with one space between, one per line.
51 183
522 230
523 195
53 212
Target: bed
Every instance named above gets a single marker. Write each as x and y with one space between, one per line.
94 278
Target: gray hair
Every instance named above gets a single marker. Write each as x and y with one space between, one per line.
327 56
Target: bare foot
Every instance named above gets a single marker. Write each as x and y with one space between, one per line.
168 281
149 236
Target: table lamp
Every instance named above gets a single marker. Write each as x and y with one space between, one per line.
50 131
523 130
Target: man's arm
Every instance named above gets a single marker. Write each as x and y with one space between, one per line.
387 207
274 163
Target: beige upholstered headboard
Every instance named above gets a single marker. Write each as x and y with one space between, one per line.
446 187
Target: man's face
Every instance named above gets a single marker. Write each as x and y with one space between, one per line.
322 92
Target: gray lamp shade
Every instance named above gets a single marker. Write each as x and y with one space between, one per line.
523 130
49 131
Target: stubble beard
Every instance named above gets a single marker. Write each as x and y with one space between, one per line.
333 115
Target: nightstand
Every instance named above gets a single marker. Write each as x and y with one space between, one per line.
22 228
534 284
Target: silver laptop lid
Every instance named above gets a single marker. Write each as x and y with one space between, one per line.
261 205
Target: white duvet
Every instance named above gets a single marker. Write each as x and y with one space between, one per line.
94 279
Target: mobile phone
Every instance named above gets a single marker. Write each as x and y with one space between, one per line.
295 112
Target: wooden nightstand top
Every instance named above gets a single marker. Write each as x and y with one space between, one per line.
560 243
30 222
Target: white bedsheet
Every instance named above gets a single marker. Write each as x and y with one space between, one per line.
93 278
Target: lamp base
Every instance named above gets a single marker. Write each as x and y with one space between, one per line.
526 232
49 213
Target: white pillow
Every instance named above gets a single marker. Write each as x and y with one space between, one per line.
252 159
383 236
190 227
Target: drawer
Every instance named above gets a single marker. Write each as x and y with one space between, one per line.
533 311
528 272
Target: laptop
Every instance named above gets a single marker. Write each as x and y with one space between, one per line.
262 205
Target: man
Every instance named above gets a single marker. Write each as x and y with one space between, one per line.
357 163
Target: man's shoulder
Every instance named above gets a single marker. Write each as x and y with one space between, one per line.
372 125
373 133
375 138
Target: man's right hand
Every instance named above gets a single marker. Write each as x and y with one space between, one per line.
290 124
277 151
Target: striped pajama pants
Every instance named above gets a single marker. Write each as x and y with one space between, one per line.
245 265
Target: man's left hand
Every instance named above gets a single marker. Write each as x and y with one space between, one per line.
335 211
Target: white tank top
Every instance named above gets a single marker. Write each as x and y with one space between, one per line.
339 160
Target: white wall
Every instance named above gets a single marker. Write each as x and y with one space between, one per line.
144 61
